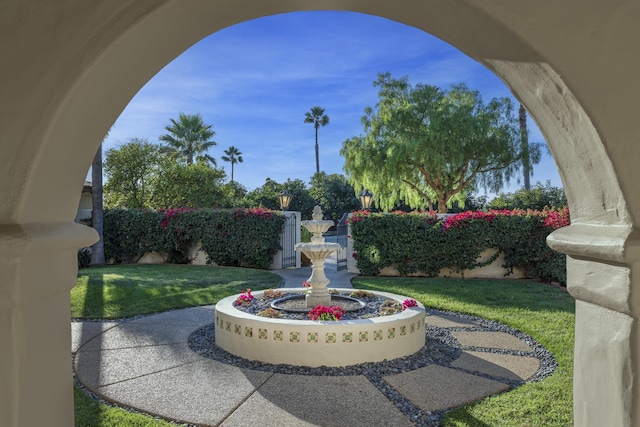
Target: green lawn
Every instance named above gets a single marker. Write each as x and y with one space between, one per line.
535 309
119 291
541 311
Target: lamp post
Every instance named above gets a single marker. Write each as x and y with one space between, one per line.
284 197
365 199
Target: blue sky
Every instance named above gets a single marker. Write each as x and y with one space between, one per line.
254 82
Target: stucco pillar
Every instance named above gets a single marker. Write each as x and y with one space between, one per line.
38 267
602 276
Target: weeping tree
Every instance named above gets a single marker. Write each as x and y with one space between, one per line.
428 147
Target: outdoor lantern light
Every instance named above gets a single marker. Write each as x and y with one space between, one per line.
285 198
365 199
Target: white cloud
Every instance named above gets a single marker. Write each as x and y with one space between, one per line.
254 82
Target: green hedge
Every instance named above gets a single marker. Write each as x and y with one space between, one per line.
241 237
421 242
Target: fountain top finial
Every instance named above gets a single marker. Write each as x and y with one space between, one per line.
317 213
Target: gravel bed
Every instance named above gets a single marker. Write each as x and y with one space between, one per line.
441 349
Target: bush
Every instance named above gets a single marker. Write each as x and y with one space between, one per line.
420 242
539 197
84 257
130 233
241 237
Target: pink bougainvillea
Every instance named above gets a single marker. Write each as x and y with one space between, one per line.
558 219
253 211
552 218
170 213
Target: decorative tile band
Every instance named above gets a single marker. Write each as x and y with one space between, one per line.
300 342
224 326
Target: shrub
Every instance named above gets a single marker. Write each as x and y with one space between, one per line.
84 257
241 237
130 233
420 242
539 197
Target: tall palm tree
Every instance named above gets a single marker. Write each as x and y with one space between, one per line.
97 211
524 145
189 138
318 118
233 155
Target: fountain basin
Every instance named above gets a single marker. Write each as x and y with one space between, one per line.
297 303
313 344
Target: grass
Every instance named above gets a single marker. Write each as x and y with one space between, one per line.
536 309
126 290
121 291
89 413
541 311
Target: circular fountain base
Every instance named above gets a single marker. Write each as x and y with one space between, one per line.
310 343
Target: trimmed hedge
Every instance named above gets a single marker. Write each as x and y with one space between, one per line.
421 242
241 237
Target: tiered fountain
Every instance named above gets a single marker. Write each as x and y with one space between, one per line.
313 343
317 251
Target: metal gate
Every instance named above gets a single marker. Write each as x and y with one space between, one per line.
289 229
341 238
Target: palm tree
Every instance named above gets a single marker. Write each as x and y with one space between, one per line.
97 211
530 151
318 118
189 138
233 155
524 145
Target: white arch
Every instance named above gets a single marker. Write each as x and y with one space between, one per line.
70 68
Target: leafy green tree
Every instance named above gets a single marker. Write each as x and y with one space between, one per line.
233 156
197 185
537 198
234 195
130 170
189 139
318 118
425 146
267 196
334 194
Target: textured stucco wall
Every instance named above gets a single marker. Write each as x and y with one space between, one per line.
572 63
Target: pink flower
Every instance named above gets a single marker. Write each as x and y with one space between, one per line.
245 298
321 312
409 303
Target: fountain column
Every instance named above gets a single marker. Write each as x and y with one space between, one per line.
317 251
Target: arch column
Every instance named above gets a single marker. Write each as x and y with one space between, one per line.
38 266
602 273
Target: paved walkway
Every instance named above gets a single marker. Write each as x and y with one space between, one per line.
146 364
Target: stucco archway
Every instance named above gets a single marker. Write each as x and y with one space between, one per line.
70 67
